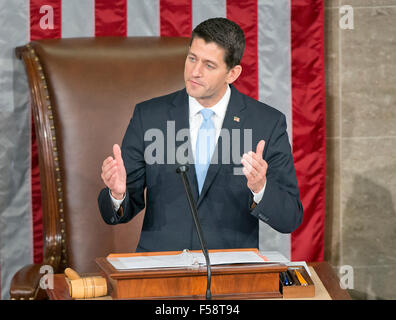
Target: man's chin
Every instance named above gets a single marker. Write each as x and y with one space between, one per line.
193 93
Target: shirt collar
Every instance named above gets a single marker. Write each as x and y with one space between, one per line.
219 108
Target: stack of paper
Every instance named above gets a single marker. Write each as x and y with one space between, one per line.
190 259
184 259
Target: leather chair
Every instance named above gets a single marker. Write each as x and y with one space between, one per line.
83 94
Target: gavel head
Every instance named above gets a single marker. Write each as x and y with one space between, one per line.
89 287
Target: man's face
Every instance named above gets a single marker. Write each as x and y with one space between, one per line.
205 73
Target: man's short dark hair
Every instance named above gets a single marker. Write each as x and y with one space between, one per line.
225 33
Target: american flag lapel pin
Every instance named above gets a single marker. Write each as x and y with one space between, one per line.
236 119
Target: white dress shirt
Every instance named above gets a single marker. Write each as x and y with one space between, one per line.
196 118
195 121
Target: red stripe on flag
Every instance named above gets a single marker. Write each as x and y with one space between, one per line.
45 22
45 19
175 18
37 215
308 112
244 13
110 18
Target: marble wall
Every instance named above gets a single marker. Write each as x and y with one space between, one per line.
361 145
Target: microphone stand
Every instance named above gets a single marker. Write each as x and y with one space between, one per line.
193 208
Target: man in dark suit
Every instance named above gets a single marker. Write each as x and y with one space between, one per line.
204 125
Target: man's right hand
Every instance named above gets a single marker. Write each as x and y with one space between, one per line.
114 174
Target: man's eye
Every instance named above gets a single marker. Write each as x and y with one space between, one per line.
192 59
210 66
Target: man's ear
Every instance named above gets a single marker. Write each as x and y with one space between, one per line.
234 73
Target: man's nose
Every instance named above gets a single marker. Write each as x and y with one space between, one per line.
197 70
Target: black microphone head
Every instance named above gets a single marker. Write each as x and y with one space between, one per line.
182 168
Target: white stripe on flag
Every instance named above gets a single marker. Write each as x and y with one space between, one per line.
275 56
275 87
16 247
143 18
78 18
206 9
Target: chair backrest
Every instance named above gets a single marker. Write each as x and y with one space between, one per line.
83 95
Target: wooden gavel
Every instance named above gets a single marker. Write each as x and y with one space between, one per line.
86 287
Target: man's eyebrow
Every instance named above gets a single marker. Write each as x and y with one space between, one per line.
212 62
205 60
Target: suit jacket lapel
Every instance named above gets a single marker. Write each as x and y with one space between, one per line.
179 113
234 119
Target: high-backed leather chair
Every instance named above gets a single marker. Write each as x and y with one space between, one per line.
83 94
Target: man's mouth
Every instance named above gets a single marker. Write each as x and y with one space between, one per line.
195 83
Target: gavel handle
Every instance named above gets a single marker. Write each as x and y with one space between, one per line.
71 274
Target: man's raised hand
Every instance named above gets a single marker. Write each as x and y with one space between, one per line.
114 174
255 168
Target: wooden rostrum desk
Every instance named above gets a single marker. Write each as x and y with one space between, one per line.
324 279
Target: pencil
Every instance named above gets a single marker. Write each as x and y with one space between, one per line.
300 278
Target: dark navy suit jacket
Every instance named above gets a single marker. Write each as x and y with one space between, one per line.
225 203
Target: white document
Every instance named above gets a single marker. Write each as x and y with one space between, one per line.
299 263
275 256
184 259
142 262
228 257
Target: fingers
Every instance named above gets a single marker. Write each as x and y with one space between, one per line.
113 172
255 167
250 177
109 170
109 173
108 163
250 163
255 161
254 170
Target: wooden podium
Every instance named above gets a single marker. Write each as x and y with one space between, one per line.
237 281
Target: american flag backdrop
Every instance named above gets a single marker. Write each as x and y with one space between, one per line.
283 66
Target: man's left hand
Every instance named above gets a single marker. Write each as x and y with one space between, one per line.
255 168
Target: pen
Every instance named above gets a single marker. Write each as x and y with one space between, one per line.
289 279
292 276
282 278
285 279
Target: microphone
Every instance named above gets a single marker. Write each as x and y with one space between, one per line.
193 208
